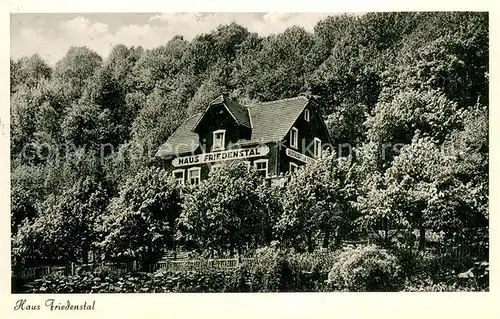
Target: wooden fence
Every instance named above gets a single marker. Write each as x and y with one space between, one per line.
127 267
460 251
198 264
201 264
39 272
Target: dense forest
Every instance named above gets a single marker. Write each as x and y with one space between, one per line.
408 92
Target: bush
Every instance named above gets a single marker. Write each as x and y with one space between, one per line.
365 268
425 264
276 269
270 271
319 261
474 279
90 282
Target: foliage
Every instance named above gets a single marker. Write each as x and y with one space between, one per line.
407 91
474 279
65 230
270 271
225 212
317 201
365 268
422 189
141 220
74 71
28 71
25 194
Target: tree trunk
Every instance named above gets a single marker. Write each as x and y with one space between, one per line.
148 261
421 240
239 254
310 246
386 232
326 238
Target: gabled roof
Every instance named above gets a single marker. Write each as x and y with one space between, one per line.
237 111
270 122
240 112
183 140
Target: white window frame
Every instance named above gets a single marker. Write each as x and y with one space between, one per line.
215 167
189 175
294 142
262 161
295 167
307 115
317 149
223 142
179 170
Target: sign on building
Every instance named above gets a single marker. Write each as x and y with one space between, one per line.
299 156
221 156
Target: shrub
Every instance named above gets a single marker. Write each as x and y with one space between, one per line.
276 269
90 282
269 271
426 264
319 261
474 279
365 268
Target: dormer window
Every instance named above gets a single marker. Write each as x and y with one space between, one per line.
219 140
307 115
294 138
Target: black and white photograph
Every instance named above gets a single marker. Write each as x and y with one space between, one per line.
248 152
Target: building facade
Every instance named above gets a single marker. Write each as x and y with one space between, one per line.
274 137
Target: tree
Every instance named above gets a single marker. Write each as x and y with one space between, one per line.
398 115
279 69
424 189
36 114
158 119
65 229
141 221
318 201
159 67
210 89
27 192
227 212
84 124
122 61
447 52
74 70
28 71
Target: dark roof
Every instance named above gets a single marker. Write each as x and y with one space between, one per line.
183 140
240 112
270 122
237 111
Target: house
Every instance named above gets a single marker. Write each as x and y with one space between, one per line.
275 137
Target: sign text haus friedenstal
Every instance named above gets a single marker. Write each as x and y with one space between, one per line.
221 156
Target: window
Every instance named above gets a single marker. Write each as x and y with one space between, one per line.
194 175
215 167
307 115
293 167
294 138
317 147
261 167
178 175
219 140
